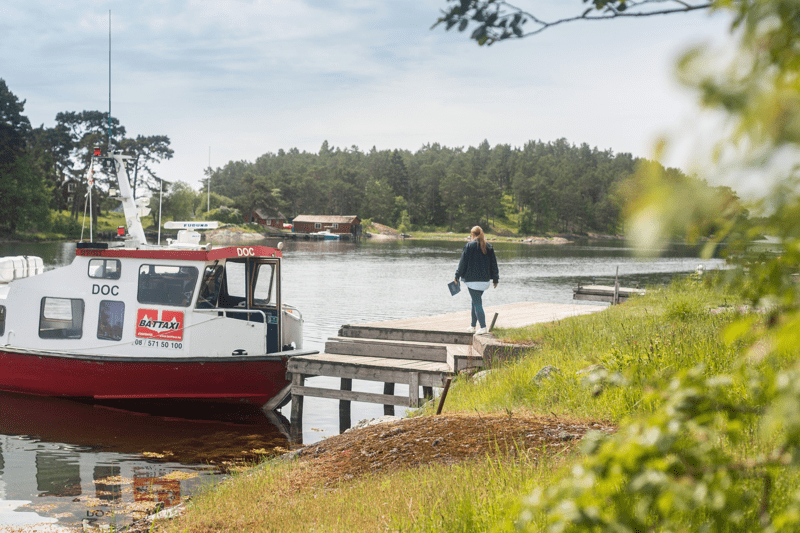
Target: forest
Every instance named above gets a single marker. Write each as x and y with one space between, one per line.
540 187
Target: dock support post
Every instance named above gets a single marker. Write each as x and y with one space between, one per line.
444 395
297 410
494 319
388 388
413 389
344 407
615 299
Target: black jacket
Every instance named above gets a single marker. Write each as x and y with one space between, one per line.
475 266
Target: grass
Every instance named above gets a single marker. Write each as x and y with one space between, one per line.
643 343
430 498
640 345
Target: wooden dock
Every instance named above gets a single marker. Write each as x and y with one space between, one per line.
296 236
419 352
612 294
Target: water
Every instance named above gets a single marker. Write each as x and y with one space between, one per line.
77 462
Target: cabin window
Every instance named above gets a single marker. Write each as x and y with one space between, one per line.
265 279
209 288
104 268
317 225
61 318
2 320
109 324
234 292
166 285
335 225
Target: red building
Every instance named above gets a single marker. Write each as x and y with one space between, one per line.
267 216
334 224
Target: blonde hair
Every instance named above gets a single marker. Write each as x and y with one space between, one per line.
477 233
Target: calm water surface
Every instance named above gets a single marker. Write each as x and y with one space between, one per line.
68 463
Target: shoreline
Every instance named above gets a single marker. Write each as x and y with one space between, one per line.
232 235
528 239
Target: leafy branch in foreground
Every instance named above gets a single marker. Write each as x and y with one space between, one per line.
497 20
698 462
682 468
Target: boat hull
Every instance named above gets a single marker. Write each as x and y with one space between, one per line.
251 379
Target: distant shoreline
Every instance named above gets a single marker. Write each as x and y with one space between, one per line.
230 235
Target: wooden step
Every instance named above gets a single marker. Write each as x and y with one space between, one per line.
400 334
460 357
421 351
387 370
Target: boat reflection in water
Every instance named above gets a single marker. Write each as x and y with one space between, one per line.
70 463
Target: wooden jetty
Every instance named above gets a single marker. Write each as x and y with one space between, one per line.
613 294
299 236
419 352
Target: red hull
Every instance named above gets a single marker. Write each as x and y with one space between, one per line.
248 379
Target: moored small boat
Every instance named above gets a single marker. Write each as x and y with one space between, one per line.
327 235
143 321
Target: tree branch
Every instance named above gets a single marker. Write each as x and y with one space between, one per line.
498 20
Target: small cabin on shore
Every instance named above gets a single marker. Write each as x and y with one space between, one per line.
267 217
334 224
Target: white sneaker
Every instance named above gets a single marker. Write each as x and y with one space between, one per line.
482 331
471 330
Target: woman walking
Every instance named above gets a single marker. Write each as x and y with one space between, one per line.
477 266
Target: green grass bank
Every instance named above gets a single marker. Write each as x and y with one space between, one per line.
610 366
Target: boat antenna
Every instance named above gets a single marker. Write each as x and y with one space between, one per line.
109 81
160 196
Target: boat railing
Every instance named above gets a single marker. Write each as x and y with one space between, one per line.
293 312
233 310
292 329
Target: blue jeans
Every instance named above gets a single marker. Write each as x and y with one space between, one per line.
477 307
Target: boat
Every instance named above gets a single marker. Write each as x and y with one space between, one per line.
327 235
131 320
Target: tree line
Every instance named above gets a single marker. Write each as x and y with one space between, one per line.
540 187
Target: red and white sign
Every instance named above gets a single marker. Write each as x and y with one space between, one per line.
159 324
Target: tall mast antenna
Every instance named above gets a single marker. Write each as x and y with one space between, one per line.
109 81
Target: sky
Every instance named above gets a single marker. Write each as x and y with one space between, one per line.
230 81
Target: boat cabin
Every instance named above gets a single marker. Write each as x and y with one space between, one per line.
121 301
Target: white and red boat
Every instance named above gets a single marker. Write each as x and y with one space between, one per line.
140 321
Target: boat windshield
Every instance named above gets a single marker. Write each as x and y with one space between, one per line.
167 285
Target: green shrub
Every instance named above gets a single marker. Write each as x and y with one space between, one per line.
64 224
225 215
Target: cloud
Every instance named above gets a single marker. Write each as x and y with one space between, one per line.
249 77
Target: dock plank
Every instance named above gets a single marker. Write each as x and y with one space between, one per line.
369 368
387 348
356 396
